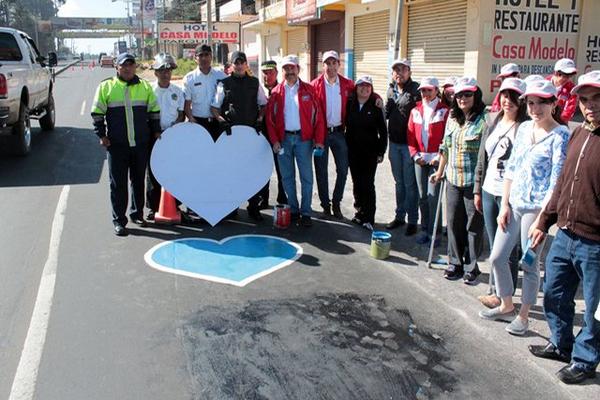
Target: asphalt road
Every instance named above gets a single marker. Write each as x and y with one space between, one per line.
336 324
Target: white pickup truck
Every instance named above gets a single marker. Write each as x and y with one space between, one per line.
26 85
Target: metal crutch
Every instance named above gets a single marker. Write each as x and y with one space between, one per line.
438 210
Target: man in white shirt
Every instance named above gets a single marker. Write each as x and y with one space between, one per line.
170 98
199 87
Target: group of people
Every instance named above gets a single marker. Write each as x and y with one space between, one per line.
513 175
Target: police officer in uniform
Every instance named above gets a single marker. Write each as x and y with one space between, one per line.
170 99
240 100
199 87
126 115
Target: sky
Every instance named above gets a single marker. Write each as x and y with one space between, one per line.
98 9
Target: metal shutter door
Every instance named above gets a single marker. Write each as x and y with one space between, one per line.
436 38
327 37
296 42
371 48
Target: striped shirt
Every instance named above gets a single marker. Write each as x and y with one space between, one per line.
460 147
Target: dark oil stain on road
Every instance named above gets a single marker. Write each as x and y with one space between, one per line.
336 346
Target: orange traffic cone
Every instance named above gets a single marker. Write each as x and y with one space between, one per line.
167 210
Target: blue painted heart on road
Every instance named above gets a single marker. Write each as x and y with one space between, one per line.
235 260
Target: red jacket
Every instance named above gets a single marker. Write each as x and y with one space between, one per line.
567 103
437 126
311 117
346 88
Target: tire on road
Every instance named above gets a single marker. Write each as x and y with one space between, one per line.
22 132
48 121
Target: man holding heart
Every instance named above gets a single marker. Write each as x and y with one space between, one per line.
294 122
240 100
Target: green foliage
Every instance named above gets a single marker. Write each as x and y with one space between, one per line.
184 65
24 14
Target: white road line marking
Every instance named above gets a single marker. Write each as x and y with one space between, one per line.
23 387
82 108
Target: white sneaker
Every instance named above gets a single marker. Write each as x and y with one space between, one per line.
367 225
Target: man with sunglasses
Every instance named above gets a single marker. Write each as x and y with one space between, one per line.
564 71
199 87
126 116
240 100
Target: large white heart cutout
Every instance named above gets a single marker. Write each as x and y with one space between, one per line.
211 178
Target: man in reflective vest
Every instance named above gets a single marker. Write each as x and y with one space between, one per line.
126 115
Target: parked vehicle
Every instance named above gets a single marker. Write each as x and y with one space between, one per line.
107 61
26 88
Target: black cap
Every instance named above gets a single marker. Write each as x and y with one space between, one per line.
238 55
267 65
203 48
124 57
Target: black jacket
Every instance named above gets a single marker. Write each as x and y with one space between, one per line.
240 106
398 107
366 132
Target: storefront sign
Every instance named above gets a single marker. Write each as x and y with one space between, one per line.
191 32
534 34
298 11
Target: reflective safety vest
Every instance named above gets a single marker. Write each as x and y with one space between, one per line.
130 109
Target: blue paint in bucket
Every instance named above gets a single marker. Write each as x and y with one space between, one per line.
381 243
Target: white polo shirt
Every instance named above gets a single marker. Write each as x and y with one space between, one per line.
170 101
200 88
291 110
333 97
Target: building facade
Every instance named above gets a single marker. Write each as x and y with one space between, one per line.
441 37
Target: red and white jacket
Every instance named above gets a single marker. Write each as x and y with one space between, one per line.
567 102
311 116
346 88
437 126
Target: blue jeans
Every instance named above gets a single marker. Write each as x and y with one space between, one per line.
573 259
301 151
428 196
403 171
337 142
491 209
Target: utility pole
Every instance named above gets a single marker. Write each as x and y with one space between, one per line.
209 21
142 44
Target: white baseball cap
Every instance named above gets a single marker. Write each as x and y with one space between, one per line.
516 84
508 70
543 88
592 78
400 61
364 79
532 78
565 65
429 82
465 84
331 54
449 81
290 59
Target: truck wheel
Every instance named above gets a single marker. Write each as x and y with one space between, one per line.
48 120
22 132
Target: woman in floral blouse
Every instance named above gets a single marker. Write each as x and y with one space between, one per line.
458 152
531 173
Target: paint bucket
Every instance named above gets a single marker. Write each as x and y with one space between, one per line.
282 216
380 244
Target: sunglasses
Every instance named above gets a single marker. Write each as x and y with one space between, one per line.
464 94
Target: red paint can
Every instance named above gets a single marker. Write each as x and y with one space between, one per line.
282 216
